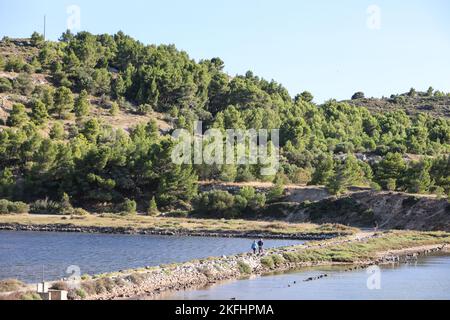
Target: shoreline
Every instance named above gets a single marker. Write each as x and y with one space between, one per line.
355 251
206 272
151 282
403 258
70 228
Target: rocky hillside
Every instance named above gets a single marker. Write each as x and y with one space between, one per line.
367 209
433 102
359 207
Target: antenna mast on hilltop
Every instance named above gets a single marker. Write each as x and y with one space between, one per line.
45 22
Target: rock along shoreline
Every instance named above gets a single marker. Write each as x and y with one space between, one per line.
151 281
69 228
202 273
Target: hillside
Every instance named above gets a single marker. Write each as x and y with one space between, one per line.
86 122
385 210
435 103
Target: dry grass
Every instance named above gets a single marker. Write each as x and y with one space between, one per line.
177 224
10 285
367 250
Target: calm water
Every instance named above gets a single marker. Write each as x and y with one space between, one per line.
23 255
429 278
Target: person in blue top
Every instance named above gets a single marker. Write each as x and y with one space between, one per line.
254 246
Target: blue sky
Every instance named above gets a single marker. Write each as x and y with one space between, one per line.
322 46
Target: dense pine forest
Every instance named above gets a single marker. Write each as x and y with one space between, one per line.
86 122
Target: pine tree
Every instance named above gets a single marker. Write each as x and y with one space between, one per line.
154 94
6 182
39 112
348 173
91 129
57 131
114 111
82 105
63 101
177 183
65 205
18 116
391 167
324 170
153 208
418 177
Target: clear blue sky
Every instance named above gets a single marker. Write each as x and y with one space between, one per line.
323 46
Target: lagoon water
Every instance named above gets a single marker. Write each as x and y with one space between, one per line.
27 255
428 278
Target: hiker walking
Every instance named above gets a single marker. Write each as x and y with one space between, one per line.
261 246
254 246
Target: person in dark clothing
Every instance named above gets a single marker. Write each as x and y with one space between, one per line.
260 246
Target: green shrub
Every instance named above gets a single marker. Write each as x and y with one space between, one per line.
9 207
45 206
136 278
15 64
104 284
128 207
244 268
89 287
81 293
114 110
153 208
99 287
391 184
65 207
23 84
223 204
17 116
177 214
30 296
268 262
375 186
277 259
4 206
9 285
290 256
80 212
358 95
439 192
276 192
85 277
5 85
144 109
218 203
76 294
18 207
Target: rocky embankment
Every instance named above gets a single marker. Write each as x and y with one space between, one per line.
361 207
356 251
180 232
387 210
154 281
